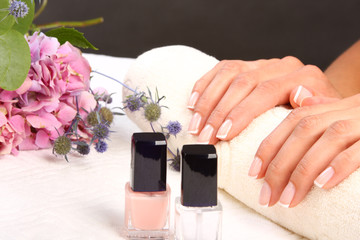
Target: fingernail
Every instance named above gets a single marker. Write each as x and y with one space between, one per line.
265 195
194 124
224 129
287 195
324 177
206 134
301 94
193 99
255 167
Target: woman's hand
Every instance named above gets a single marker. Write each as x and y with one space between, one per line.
233 93
315 144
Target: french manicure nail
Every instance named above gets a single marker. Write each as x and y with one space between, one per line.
324 177
301 94
224 129
287 195
206 134
265 195
193 99
194 124
255 167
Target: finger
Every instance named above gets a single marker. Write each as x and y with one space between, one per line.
303 96
271 93
341 167
240 87
217 87
318 100
339 136
222 68
272 144
305 134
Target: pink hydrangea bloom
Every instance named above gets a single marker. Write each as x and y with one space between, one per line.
44 106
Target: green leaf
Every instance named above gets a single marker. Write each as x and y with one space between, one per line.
71 35
14 60
7 21
23 24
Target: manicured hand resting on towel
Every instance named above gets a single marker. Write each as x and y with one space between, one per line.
323 214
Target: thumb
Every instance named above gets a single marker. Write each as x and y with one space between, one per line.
301 96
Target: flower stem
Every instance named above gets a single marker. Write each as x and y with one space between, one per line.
41 9
85 23
114 80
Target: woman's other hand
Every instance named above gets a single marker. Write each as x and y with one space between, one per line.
233 93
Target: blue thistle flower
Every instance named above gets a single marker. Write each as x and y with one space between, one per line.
134 102
83 148
101 146
101 131
17 8
174 127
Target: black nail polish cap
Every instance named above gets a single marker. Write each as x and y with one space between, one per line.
198 175
148 162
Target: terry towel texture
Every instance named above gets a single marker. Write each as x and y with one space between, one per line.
173 70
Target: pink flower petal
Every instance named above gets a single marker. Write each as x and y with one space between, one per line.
17 122
42 139
66 114
25 86
28 144
44 120
3 119
87 102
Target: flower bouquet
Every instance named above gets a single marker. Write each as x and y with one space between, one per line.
45 95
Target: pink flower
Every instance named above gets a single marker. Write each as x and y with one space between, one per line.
44 106
74 68
42 46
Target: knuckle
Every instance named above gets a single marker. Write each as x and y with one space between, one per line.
243 82
274 169
308 123
267 143
203 105
295 115
314 71
268 86
303 169
292 61
216 114
346 158
229 65
338 128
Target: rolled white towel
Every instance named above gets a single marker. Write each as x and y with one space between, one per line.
173 70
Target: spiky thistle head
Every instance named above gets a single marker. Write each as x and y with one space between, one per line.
135 102
152 112
174 127
106 115
92 118
62 145
101 146
101 131
18 9
83 148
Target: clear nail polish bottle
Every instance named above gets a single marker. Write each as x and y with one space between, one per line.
198 213
147 196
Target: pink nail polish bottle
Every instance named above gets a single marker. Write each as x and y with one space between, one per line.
198 213
147 196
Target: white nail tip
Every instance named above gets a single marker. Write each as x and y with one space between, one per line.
318 184
297 93
284 205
